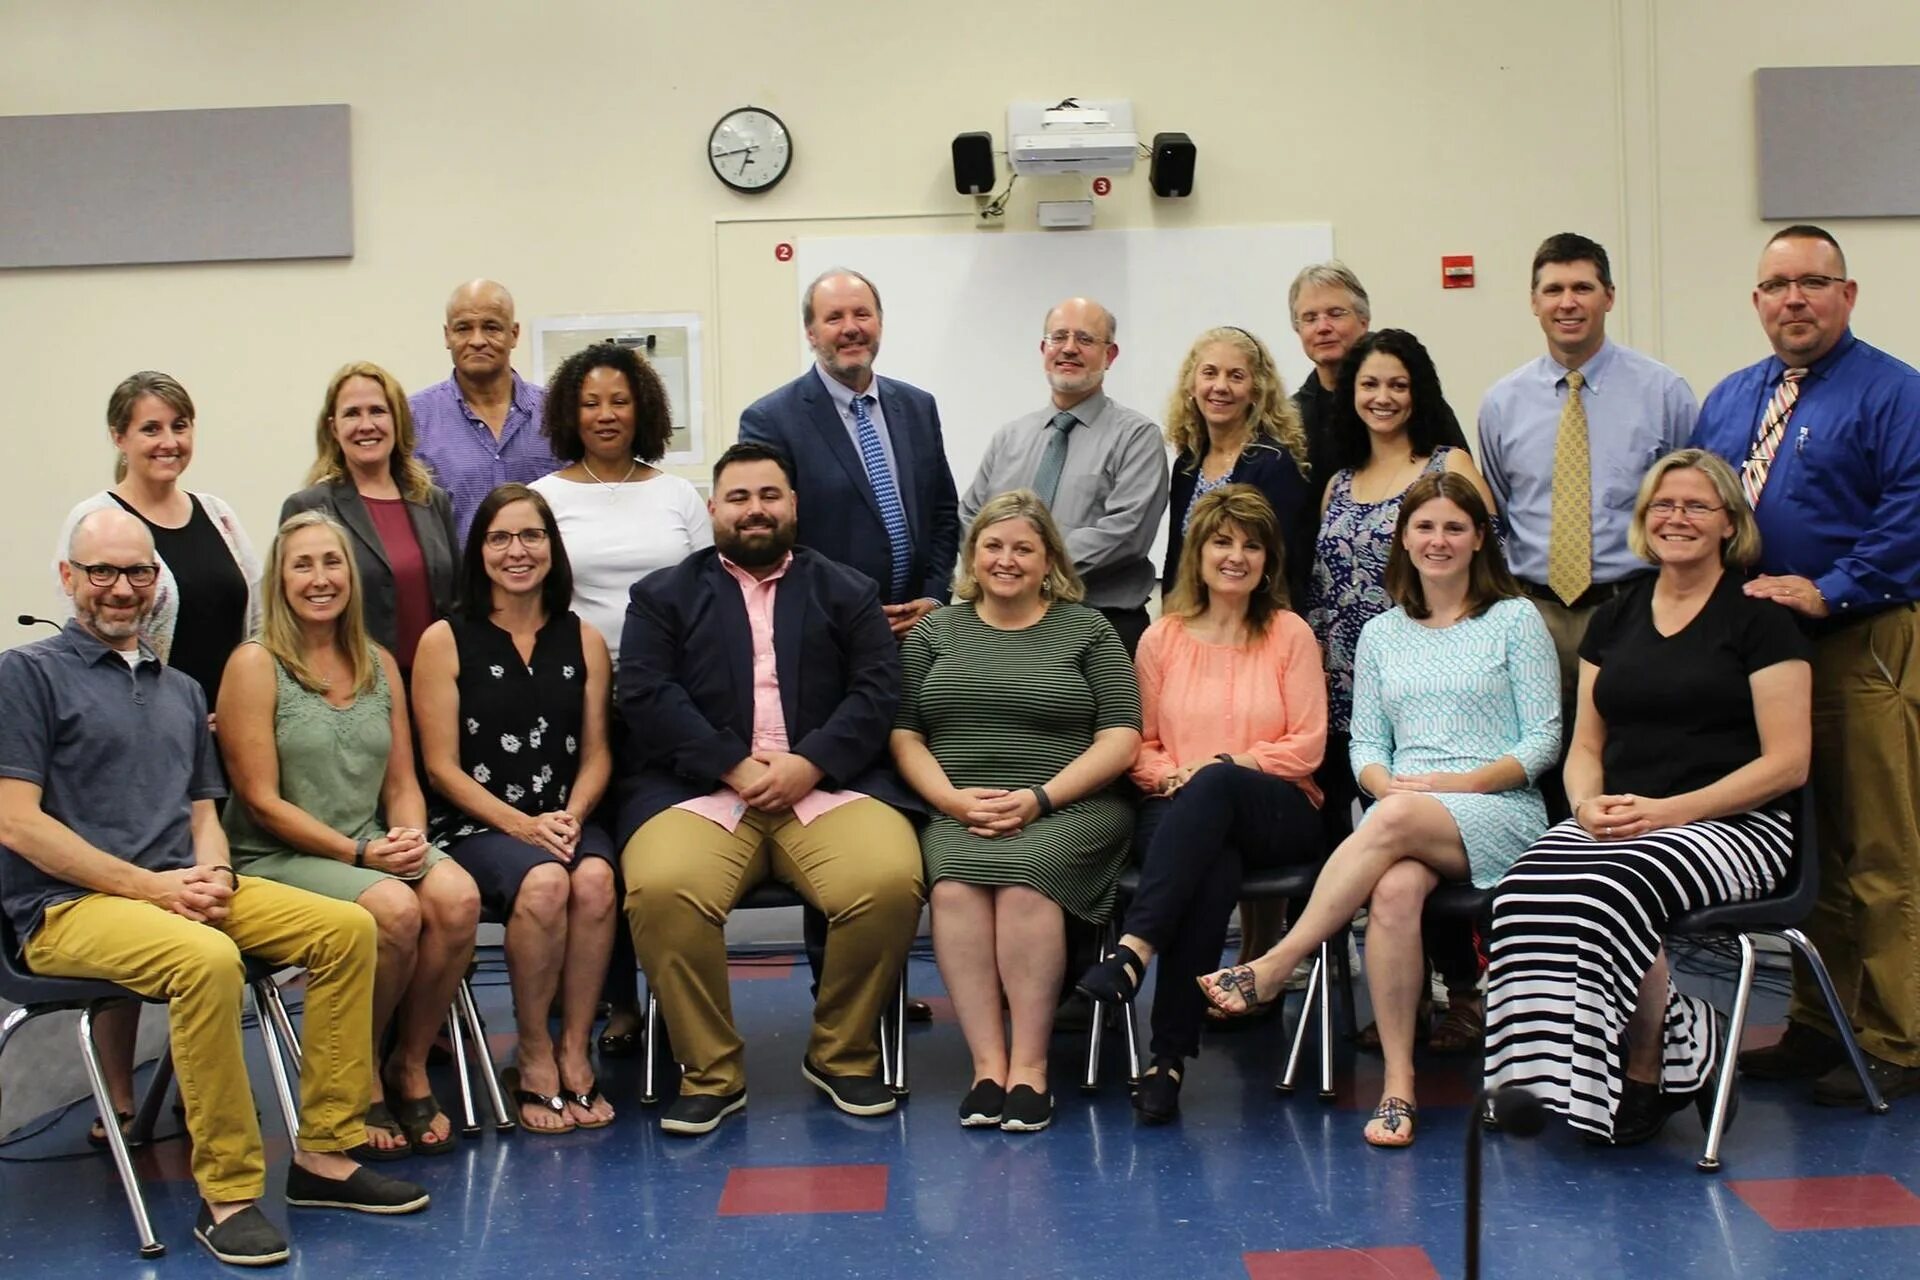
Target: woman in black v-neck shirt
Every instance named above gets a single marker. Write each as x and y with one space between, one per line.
1694 722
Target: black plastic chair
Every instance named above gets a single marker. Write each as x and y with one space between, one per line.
1288 882
37 996
765 896
1777 915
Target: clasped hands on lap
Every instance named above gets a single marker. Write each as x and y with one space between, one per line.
401 853
197 893
991 812
1622 817
773 781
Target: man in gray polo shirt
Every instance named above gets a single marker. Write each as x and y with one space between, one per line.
1100 467
113 865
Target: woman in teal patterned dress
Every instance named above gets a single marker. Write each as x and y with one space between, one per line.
314 730
1456 712
1018 713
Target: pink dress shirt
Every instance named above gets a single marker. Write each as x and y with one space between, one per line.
725 806
1198 700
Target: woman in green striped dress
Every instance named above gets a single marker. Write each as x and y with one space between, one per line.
1018 713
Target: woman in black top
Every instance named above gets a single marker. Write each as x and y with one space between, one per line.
510 694
1694 721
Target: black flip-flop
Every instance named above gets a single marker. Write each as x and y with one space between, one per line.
379 1117
556 1103
97 1133
415 1118
585 1102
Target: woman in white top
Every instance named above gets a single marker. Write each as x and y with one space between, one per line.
621 518
608 418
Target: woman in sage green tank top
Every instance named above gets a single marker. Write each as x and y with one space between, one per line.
313 727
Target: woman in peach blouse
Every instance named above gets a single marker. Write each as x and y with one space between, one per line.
1234 704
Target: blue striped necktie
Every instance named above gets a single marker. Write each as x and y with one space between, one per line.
886 494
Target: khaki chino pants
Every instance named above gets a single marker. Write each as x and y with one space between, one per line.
858 864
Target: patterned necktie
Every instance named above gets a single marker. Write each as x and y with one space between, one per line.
892 514
1046 480
1773 426
1570 543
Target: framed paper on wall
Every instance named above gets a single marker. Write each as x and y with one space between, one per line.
667 340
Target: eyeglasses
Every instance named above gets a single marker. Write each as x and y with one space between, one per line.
1812 286
1694 510
1307 319
1058 338
531 539
139 576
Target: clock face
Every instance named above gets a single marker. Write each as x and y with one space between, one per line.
750 149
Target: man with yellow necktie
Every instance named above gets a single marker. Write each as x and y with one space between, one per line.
1564 442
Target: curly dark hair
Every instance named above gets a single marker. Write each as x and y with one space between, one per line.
652 413
1432 422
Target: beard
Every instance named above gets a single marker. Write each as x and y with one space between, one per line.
111 630
755 546
848 368
1075 382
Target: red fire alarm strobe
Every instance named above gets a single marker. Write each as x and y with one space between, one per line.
1456 271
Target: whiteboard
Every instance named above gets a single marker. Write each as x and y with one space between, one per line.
964 312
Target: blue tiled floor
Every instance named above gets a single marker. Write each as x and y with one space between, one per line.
1244 1172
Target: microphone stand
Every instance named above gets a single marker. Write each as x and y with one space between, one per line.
1512 1110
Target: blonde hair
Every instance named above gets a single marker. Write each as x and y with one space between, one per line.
1246 508
280 630
1742 549
1270 413
330 463
1061 582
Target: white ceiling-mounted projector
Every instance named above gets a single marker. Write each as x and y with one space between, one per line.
1075 136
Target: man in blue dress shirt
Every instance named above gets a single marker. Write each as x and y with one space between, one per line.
1565 440
1826 434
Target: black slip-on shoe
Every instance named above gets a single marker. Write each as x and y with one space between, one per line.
855 1095
362 1191
1027 1110
692 1114
982 1106
1801 1053
1841 1086
246 1239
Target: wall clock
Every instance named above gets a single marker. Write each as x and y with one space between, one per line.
750 149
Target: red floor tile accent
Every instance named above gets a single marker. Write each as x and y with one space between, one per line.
1392 1262
760 969
821 1188
1822 1204
1761 1037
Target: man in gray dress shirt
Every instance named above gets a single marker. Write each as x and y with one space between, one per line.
1099 466
1592 415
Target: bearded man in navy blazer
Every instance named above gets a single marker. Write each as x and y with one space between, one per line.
868 460
758 682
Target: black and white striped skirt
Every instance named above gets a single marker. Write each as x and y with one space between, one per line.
1577 922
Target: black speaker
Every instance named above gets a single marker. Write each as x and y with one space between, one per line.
1172 171
973 163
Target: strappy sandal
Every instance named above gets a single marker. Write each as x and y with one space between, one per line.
1460 1028
555 1103
1238 981
1116 978
97 1132
585 1101
380 1117
1396 1116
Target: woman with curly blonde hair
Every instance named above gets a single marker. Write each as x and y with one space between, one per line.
1231 422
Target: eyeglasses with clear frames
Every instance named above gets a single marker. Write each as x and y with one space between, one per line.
531 539
139 576
1080 338
1812 286
1307 319
1693 510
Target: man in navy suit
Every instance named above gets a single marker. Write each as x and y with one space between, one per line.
868 461
759 683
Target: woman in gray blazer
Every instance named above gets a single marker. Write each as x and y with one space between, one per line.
366 477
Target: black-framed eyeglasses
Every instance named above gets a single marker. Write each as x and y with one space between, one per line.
139 576
531 539
1693 510
1812 286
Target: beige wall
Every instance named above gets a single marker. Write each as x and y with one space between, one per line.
567 159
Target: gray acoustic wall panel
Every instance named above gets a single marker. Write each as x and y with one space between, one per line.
1838 142
175 186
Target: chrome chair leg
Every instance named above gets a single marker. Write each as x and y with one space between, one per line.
1322 969
276 1064
649 1048
1842 1027
465 1006
150 1246
899 1067
1709 1160
1096 1031
456 1036
1292 1070
283 1022
1131 1026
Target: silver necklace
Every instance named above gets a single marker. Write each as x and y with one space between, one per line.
611 486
